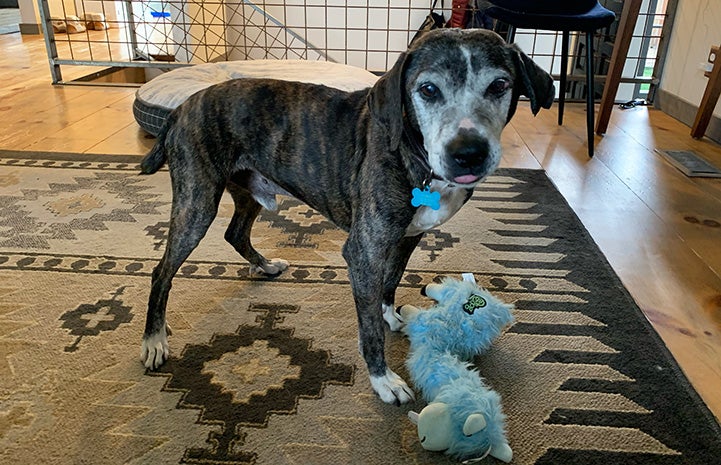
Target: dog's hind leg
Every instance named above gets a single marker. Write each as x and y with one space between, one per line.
192 213
394 267
238 232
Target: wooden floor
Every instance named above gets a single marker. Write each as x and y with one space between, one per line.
660 230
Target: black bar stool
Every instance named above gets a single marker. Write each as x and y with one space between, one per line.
559 15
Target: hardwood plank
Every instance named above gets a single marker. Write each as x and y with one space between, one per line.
515 152
61 144
46 111
655 129
684 203
130 140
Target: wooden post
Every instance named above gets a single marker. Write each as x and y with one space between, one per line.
710 96
629 14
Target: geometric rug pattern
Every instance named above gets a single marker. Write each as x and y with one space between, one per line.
267 371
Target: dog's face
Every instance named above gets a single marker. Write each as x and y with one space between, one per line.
458 89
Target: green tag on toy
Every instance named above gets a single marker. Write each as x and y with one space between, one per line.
473 303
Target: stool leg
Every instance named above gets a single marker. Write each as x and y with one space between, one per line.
708 101
589 91
564 73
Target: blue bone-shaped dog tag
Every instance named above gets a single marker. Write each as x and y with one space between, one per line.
426 198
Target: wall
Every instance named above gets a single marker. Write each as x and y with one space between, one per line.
30 14
697 26
107 8
29 17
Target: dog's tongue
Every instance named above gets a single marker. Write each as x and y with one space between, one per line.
466 179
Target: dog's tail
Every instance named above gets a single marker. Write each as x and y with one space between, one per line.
157 157
154 160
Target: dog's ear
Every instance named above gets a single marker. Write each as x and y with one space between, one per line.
385 101
531 81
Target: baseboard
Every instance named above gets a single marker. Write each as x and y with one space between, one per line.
685 112
29 28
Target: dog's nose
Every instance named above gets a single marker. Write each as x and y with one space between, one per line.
468 149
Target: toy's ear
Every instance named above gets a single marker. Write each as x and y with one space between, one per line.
474 423
413 417
502 452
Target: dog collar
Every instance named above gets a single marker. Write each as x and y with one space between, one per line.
421 197
419 152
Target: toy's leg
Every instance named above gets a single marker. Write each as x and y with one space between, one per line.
407 312
394 268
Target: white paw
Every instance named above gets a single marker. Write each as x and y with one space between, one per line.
392 389
155 350
392 318
271 268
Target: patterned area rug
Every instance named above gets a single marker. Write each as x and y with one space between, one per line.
268 372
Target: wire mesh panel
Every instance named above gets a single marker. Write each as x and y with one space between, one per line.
366 33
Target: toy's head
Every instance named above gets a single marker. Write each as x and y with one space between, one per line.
450 428
465 320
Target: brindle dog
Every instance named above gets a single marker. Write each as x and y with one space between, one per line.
434 120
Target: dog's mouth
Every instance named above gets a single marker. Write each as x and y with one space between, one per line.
467 176
466 179
467 156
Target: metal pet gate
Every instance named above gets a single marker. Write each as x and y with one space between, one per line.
164 34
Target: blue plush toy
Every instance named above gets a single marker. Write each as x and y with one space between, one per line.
463 417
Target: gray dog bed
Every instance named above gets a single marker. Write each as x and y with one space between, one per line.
156 99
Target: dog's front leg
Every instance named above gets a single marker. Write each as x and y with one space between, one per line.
395 265
366 255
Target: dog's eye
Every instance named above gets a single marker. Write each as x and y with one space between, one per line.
429 91
499 86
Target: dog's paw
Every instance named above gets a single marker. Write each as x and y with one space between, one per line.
393 318
272 267
155 350
392 389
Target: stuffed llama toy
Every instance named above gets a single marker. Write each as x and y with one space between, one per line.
463 416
